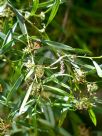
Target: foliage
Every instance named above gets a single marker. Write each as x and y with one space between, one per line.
42 80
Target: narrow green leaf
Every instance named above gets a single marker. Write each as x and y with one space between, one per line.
29 73
54 79
55 7
98 69
45 122
8 41
61 46
45 4
62 84
58 130
56 90
62 118
44 108
48 114
93 71
51 115
20 19
92 116
58 45
20 38
6 47
15 87
22 108
8 37
35 6
22 25
49 3
64 105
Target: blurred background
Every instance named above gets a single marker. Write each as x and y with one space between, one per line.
79 24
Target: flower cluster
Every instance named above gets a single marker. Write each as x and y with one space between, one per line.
91 88
5 13
79 75
83 103
3 127
32 47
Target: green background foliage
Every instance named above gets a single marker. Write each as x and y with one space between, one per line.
50 67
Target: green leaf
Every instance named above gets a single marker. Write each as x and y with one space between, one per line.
45 122
29 73
61 46
20 38
62 118
22 108
21 23
35 6
62 84
8 41
55 7
58 130
45 4
49 114
56 90
49 3
58 45
15 87
6 47
54 77
8 37
93 71
98 69
92 116
20 19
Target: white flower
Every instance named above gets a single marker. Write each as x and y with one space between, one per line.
42 15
